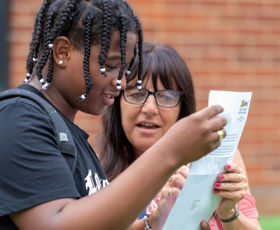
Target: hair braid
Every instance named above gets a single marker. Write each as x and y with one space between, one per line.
64 19
49 37
87 76
47 48
140 50
123 33
128 71
50 72
36 38
106 33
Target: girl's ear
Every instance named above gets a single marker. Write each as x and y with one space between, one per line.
61 51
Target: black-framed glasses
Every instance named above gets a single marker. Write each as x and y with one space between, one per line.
166 98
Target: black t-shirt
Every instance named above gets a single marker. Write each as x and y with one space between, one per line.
32 169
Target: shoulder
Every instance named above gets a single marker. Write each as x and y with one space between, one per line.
18 110
23 125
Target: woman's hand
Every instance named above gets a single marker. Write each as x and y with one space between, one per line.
231 186
168 196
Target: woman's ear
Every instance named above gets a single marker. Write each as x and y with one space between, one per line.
61 51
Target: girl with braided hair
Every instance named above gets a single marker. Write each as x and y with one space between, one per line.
79 55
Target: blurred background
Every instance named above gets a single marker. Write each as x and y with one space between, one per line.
227 44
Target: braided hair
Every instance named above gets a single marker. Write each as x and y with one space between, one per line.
85 23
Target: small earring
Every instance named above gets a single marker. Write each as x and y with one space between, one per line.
60 62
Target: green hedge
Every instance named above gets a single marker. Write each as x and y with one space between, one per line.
270 222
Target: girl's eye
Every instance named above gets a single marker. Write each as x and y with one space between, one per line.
111 67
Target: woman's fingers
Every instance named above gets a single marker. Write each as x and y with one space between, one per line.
234 168
235 196
232 184
184 171
178 179
232 178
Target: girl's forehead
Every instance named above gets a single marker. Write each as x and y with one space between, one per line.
114 48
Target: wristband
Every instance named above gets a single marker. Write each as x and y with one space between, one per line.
146 217
234 216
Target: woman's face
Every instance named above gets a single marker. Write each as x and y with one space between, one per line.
145 124
72 83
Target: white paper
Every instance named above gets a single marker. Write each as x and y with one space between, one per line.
197 201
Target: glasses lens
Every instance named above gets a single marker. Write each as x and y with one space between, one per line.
135 96
167 98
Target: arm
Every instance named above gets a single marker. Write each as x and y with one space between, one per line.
231 192
117 205
165 200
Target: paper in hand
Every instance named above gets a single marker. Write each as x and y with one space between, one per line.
197 201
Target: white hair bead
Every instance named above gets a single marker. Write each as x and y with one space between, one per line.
42 81
128 72
102 70
50 46
45 86
82 97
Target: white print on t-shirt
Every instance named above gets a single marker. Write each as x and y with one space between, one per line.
94 186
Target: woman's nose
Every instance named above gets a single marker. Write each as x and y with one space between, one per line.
150 105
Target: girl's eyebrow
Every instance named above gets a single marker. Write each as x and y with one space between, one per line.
114 57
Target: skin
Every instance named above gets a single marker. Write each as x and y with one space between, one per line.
132 116
105 209
232 188
62 93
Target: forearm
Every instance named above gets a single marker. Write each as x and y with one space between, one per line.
113 207
137 225
141 188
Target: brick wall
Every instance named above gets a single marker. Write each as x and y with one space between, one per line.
228 45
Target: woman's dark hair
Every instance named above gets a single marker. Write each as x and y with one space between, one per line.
85 23
159 62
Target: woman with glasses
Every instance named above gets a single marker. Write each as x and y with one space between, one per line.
140 117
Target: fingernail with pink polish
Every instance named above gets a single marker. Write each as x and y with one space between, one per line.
221 176
217 184
228 166
216 190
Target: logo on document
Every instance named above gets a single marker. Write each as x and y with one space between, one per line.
243 109
244 103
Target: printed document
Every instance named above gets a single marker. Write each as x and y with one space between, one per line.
197 201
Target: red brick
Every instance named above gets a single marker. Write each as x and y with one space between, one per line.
228 45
